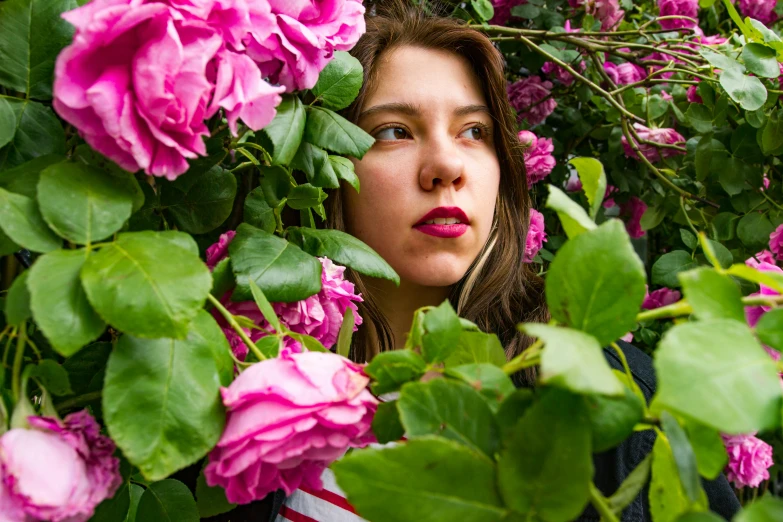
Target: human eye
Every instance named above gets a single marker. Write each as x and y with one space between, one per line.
477 131
391 133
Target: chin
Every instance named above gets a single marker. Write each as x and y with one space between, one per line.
433 272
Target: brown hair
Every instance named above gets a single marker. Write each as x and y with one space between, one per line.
499 290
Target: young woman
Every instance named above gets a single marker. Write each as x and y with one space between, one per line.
444 200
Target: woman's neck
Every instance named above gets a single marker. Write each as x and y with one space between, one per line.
398 303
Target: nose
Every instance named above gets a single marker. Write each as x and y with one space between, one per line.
442 164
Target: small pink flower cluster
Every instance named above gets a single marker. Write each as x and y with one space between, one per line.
624 73
141 76
560 74
536 235
761 10
607 11
689 8
288 419
503 10
56 470
532 98
319 316
749 460
649 151
539 161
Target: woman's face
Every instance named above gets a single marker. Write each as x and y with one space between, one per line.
430 181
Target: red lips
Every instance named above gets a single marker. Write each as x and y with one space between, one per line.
442 230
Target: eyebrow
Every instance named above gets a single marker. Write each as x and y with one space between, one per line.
410 109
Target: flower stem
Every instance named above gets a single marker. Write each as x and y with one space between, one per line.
238 329
16 373
599 502
530 357
79 400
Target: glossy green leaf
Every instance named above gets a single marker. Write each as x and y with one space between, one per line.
769 329
754 229
771 279
314 162
700 117
201 201
305 196
331 131
280 269
668 500
285 131
123 179
147 283
386 424
114 509
52 376
264 306
591 174
717 373
721 61
442 328
161 399
38 133
746 90
597 283
684 457
390 370
346 332
772 133
167 501
766 509
732 175
475 348
712 295
708 447
631 486
21 221
483 8
59 303
258 213
343 249
489 380
17 301
666 268
760 60
211 501
572 216
7 122
86 364
422 480
344 169
612 419
339 82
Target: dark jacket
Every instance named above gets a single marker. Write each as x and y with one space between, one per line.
611 467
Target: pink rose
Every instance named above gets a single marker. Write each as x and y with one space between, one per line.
689 8
539 161
57 470
560 74
754 313
660 297
633 209
536 235
288 419
776 243
531 97
765 256
761 10
574 184
219 251
303 39
749 460
607 11
693 95
651 152
527 139
624 73
503 10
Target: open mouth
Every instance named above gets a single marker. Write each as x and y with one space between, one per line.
444 222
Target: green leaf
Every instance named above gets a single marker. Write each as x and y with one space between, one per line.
32 33
766 509
167 501
748 91
449 409
717 373
760 60
6 245
114 509
443 328
386 424
684 457
704 153
202 200
305 196
732 175
689 239
597 283
331 131
53 377
528 11
483 8
512 409
264 306
86 364
712 295
314 162
477 347
572 216
631 486
573 360
21 221
136 492
211 501
38 133
546 466
591 174
612 419
147 283
344 169
59 303
724 226
346 332
285 131
390 370
339 82
343 249
770 329
667 498
707 444
422 480
771 279
490 381
161 399
772 133
258 213
280 269
82 204
700 117
666 268
17 301
7 122
754 229
275 185
721 61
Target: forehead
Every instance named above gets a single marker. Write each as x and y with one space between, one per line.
429 78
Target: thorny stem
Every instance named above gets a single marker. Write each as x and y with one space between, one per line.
16 372
238 329
530 357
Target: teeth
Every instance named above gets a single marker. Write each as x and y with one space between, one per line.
443 221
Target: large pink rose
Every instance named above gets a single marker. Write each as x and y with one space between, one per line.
539 161
288 419
57 470
503 10
536 235
761 10
607 11
633 210
689 8
139 79
304 37
754 313
776 243
749 460
624 73
651 152
661 297
532 99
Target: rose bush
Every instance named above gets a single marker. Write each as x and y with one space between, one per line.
163 172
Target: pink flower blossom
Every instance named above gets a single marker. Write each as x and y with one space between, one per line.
749 460
765 256
776 242
660 297
503 10
536 235
560 74
651 152
539 161
754 313
139 79
219 251
57 470
574 184
633 209
693 95
303 39
689 8
624 73
288 419
531 98
761 10
607 11
666 96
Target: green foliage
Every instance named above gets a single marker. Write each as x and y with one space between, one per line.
339 82
168 500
